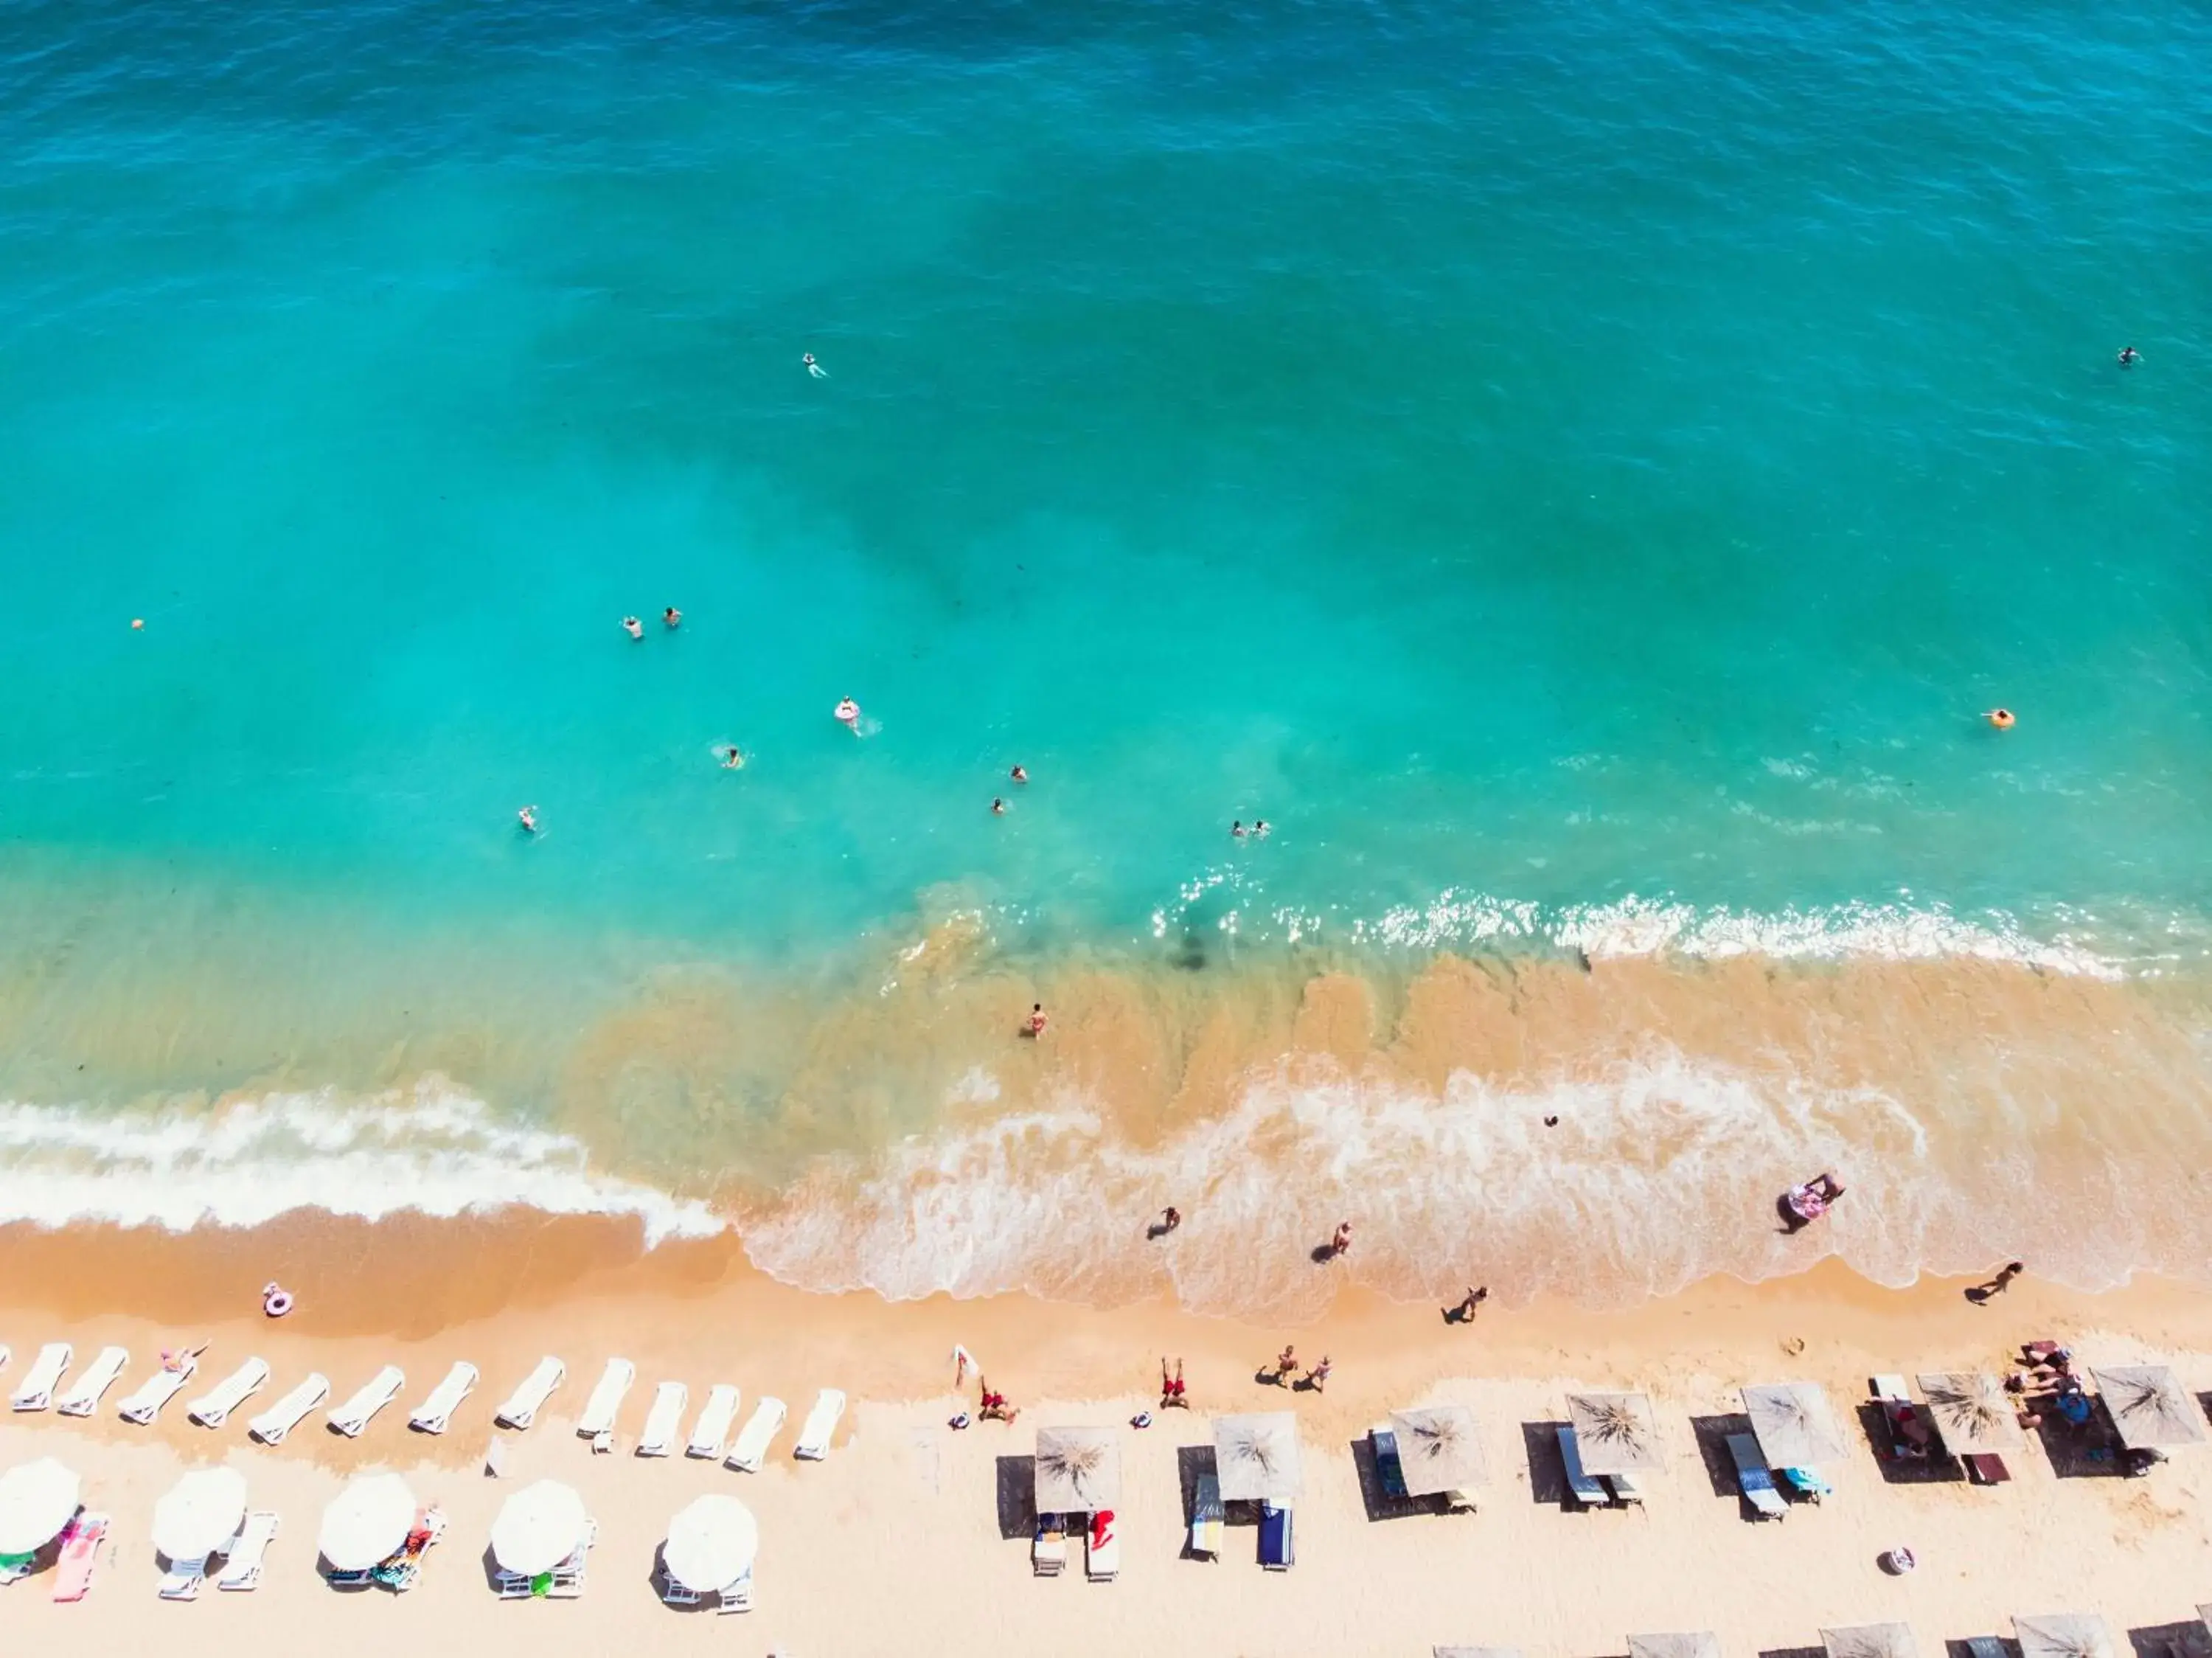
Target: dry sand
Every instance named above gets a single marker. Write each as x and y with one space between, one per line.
912 1539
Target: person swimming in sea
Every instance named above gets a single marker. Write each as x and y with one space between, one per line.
2001 718
2129 356
812 367
671 618
998 807
1020 774
632 626
1236 830
848 714
733 758
527 817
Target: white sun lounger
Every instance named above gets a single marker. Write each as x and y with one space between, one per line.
715 1420
81 1400
1101 1562
821 1422
379 1390
183 1580
524 1404
157 1390
751 1449
213 1410
665 1420
597 1422
431 1415
42 1377
242 1569
279 1419
738 1596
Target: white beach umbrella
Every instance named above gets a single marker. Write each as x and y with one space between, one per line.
367 1522
538 1527
200 1514
37 1499
711 1544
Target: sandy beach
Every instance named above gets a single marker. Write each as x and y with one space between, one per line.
913 1537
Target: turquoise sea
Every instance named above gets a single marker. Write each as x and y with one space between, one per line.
1579 472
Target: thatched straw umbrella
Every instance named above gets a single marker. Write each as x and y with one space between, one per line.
2065 1635
1439 1449
1078 1469
1870 1640
1615 1433
1794 1425
1694 1643
1256 1457
1972 1412
2150 1406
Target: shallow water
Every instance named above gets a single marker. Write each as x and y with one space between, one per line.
1578 474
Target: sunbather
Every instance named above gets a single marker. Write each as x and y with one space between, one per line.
1171 1392
994 1407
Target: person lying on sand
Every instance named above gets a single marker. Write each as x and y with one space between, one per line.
1171 1392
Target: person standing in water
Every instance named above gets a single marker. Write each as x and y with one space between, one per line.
527 817
848 714
632 626
1020 774
671 618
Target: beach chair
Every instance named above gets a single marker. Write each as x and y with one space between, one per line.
80 1554
44 1376
1985 1646
157 1390
1207 1517
1102 1548
673 1593
1986 1468
1625 1489
751 1449
1753 1480
432 1415
379 1390
665 1420
715 1420
1389 1470
738 1596
214 1409
511 1585
1049 1546
597 1422
1807 1484
1275 1538
1587 1491
569 1576
273 1424
85 1395
241 1568
529 1397
183 1580
821 1423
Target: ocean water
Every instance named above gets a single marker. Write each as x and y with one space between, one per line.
1579 471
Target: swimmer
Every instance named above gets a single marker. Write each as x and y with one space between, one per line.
848 714
138 624
998 807
1260 827
1020 774
2001 718
733 759
812 367
527 817
671 617
632 626
1237 829
2129 356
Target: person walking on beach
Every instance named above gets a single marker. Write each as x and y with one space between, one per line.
1983 1292
1170 1218
1342 1240
1465 1312
1286 1365
1037 1021
1317 1378
1171 1392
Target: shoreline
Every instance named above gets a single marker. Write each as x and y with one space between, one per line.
912 1539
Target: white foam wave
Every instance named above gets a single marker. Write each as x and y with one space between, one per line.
1656 1173
430 1148
1635 926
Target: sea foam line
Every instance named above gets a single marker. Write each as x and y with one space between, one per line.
430 1149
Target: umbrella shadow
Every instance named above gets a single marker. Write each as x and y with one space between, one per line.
2189 1640
1985 1646
1712 1435
2089 1451
1015 1479
1794 1652
1547 1468
1379 1503
1934 1469
658 1579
